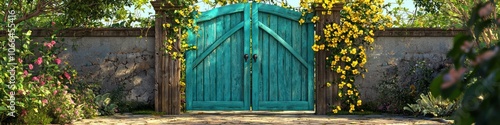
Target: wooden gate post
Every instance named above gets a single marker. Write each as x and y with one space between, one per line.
325 95
167 70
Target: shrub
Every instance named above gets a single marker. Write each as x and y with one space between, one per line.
44 87
428 104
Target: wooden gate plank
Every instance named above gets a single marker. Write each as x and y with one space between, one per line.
264 18
256 63
236 61
273 96
296 90
226 83
200 69
304 70
218 57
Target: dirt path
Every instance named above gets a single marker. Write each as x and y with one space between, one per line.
256 119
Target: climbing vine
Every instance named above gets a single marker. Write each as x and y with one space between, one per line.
346 43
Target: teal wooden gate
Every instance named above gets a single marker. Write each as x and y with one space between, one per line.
250 55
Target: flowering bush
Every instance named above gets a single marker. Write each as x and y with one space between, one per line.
346 42
43 86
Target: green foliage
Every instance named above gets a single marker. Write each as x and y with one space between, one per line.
481 88
69 13
428 104
106 107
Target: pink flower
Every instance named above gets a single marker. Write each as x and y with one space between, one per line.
53 42
55 92
66 92
42 83
21 92
25 73
58 109
76 112
30 66
39 61
24 112
452 77
20 60
35 79
49 45
58 61
53 23
45 101
66 74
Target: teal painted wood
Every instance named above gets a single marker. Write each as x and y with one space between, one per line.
219 59
210 71
295 81
246 87
256 61
264 37
226 83
310 60
218 78
304 74
273 64
289 65
217 12
237 62
200 43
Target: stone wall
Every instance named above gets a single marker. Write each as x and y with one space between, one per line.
400 52
120 60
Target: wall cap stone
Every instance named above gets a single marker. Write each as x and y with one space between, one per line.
150 32
92 32
418 32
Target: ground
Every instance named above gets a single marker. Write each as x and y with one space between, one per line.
257 119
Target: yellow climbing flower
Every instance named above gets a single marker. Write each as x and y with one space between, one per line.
355 71
301 21
314 19
349 92
353 51
343 51
338 108
348 59
349 85
347 67
359 103
341 85
335 111
317 38
354 63
315 48
328 84
322 47
342 77
340 94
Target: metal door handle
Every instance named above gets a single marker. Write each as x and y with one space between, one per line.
254 57
245 57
